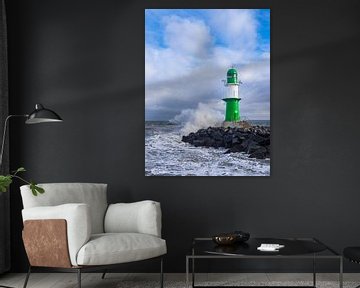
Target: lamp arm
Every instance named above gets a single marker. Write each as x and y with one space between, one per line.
4 134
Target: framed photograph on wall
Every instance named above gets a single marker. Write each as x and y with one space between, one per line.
207 92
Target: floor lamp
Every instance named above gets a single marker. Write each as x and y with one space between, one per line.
39 115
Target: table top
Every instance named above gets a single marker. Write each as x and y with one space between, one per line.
293 247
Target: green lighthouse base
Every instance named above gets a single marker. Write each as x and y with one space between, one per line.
232 109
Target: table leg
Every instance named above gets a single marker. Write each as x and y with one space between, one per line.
341 273
193 272
193 267
314 271
187 272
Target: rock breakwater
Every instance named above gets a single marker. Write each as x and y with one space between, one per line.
254 141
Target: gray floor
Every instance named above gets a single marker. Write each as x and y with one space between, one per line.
121 280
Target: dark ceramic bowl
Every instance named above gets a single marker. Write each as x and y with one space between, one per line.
225 239
231 238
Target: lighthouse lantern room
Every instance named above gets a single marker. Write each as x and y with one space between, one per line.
232 98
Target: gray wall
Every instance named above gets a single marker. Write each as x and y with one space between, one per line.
79 58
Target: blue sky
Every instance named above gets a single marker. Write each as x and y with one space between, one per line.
187 54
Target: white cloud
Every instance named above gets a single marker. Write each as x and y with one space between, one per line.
185 36
165 64
188 41
236 27
226 57
258 71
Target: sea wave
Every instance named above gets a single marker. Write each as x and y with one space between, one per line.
167 155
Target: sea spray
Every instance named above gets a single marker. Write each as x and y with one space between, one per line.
205 115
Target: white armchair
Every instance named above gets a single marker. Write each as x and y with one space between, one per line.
72 228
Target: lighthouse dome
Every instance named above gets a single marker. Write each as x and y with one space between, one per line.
232 76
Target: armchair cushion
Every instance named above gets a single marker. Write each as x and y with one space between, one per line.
138 217
78 221
113 248
92 194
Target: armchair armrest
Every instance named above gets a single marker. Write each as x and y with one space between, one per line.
138 217
77 217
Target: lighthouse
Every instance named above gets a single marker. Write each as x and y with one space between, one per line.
232 98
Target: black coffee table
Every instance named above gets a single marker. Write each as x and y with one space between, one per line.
295 248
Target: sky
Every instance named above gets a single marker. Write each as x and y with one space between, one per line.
187 54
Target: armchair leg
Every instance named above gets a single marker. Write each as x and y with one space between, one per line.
103 275
79 277
161 273
27 277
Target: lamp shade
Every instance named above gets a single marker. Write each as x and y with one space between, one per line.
42 115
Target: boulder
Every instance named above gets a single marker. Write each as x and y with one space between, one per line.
257 138
246 144
209 142
258 155
252 147
217 136
265 142
234 149
198 143
236 140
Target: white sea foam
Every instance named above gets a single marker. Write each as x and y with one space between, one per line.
167 155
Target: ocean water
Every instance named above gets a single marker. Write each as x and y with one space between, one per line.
167 155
